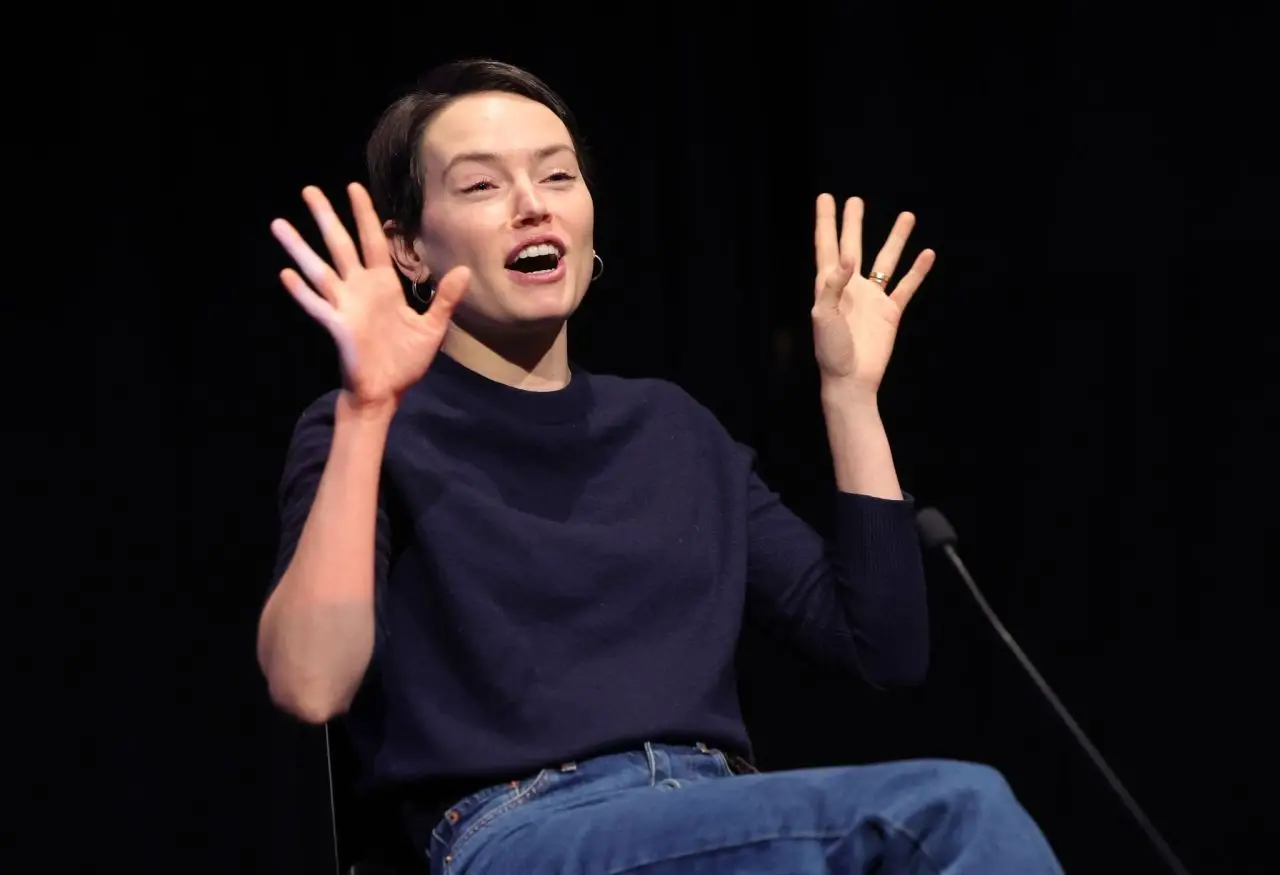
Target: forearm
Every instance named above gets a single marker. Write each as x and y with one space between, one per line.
855 600
882 580
860 451
316 634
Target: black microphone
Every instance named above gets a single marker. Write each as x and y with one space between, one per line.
936 532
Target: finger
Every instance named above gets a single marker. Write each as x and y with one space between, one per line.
851 234
345 257
831 285
313 267
826 249
316 307
373 242
887 258
451 289
908 285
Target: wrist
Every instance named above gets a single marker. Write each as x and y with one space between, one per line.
848 395
367 411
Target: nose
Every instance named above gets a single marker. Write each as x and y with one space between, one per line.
530 207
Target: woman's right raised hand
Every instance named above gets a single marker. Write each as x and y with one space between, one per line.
384 344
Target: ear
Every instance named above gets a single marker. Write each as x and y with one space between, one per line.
406 252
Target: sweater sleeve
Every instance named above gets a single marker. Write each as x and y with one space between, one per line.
857 601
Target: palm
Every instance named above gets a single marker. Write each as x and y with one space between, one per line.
855 338
384 345
854 321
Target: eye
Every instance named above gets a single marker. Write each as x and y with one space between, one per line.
478 186
561 176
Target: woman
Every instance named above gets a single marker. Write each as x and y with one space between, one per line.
523 584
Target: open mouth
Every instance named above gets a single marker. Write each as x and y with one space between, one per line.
537 258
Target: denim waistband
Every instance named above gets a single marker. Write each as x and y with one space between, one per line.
438 813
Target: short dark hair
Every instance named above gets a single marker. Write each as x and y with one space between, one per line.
394 152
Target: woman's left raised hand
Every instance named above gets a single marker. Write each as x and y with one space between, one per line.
855 317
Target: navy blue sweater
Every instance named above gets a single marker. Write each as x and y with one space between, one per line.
566 573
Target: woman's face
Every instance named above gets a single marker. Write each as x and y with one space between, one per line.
504 196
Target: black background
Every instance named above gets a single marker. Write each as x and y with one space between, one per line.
1080 384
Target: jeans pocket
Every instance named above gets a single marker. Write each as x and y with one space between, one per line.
487 815
739 766
722 760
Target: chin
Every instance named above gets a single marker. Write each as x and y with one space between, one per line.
540 303
536 317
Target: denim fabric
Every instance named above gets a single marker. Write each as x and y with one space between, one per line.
665 810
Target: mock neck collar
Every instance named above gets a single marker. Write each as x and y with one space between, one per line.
464 385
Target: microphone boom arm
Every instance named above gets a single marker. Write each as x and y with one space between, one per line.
936 531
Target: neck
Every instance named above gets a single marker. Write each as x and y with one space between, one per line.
537 363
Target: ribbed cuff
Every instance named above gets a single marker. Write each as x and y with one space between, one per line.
877 536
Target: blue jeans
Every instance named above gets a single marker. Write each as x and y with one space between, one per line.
666 810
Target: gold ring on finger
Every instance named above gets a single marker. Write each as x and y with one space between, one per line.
879 278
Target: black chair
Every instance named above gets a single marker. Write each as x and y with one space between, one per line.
368 836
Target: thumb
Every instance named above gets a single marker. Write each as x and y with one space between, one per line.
449 291
831 287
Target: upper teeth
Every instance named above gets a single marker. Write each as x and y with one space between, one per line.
537 249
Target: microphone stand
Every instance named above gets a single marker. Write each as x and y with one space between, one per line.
937 532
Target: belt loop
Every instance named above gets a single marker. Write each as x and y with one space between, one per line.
653 765
702 748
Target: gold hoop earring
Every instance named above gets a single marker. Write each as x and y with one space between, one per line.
595 275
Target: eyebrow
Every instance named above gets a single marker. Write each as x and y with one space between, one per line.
493 157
